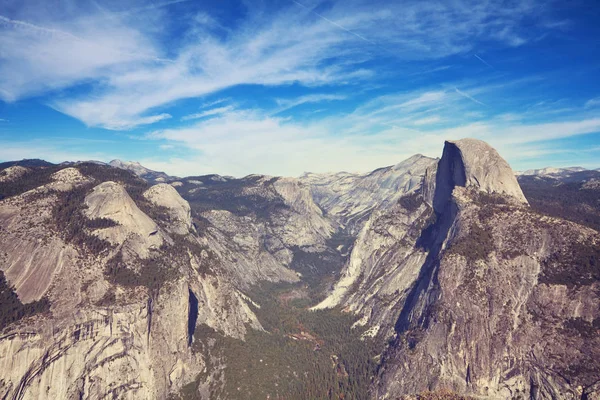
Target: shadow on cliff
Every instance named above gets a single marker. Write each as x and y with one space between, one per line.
416 310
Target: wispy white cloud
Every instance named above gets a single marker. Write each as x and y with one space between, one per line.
216 102
286 104
333 23
593 103
467 96
208 113
123 57
37 58
244 141
427 121
482 60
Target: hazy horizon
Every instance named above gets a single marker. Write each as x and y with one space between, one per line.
286 87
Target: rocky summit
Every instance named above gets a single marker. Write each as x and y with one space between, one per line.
432 278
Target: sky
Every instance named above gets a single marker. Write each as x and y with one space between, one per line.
285 87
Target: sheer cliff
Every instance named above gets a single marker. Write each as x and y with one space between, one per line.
475 291
123 274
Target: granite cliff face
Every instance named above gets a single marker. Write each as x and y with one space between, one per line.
444 260
473 163
471 287
126 290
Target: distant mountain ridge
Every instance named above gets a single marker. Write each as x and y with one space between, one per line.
32 162
141 171
553 171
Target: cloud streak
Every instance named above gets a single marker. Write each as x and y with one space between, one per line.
130 74
467 96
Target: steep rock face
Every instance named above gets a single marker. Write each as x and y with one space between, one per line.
385 259
107 335
367 284
31 257
501 307
307 225
476 292
506 313
164 195
240 244
474 163
110 200
256 225
350 198
99 353
222 307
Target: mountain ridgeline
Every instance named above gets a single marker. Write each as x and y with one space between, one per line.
446 278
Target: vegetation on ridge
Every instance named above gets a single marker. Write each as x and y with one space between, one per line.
11 307
303 354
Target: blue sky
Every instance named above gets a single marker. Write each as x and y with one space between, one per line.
283 87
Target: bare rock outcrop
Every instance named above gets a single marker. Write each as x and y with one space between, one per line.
164 195
66 179
350 198
12 173
307 225
110 200
107 336
473 163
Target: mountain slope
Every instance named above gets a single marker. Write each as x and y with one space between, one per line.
476 292
574 196
426 275
125 291
350 198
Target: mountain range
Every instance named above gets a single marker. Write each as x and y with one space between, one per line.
448 277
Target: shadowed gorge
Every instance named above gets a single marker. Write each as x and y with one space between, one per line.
192 316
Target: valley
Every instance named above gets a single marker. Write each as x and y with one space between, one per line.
430 279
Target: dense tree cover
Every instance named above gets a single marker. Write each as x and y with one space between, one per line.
574 265
318 269
239 196
153 273
441 395
73 226
302 355
475 245
11 308
411 202
568 200
161 267
32 162
478 243
28 181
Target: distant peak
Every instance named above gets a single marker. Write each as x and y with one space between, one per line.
474 163
138 169
413 160
117 162
551 171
